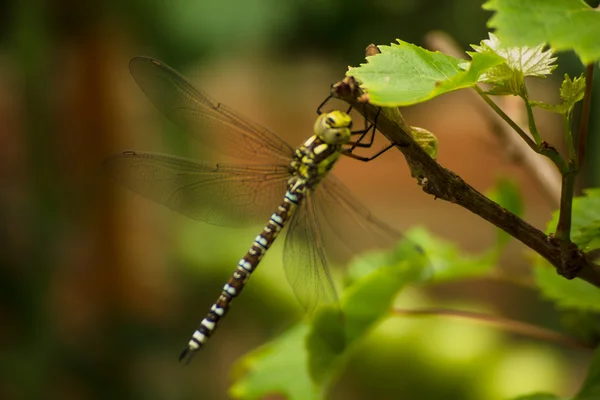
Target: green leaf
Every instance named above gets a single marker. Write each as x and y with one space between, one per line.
575 293
588 237
326 343
279 367
301 363
591 387
507 194
538 396
585 217
378 277
564 24
584 325
448 261
404 74
525 60
519 62
566 293
571 91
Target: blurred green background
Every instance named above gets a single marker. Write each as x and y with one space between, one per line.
100 289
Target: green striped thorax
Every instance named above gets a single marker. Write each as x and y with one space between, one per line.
315 158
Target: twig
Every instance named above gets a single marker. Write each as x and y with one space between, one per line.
532 127
444 184
563 227
509 325
543 148
530 142
585 114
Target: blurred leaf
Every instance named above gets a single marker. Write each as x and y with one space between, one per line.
326 342
370 299
448 261
571 91
538 396
279 367
585 325
573 293
519 62
588 237
364 303
507 194
284 366
591 387
566 293
586 211
405 74
406 251
564 24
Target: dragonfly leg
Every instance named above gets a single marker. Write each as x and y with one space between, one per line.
319 109
368 128
348 153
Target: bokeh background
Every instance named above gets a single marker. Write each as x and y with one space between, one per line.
100 289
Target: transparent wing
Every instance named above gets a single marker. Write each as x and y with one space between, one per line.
330 227
304 259
347 226
215 125
226 195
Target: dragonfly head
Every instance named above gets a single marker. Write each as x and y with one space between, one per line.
334 127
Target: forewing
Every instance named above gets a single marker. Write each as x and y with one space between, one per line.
226 195
213 124
304 259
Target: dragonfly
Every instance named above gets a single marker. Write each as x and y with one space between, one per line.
325 223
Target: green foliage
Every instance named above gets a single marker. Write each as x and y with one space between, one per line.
576 294
588 237
519 62
507 194
538 396
318 353
571 92
564 24
586 217
591 387
448 262
585 325
405 74
364 303
585 233
278 367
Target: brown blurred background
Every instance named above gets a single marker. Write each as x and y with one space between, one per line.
100 289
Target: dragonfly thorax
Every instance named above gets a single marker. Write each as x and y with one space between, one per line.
314 159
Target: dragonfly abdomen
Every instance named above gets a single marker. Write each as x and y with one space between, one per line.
244 269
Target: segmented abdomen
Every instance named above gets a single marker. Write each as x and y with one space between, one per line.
245 267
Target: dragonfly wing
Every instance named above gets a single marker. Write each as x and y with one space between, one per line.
226 195
213 124
348 228
304 259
